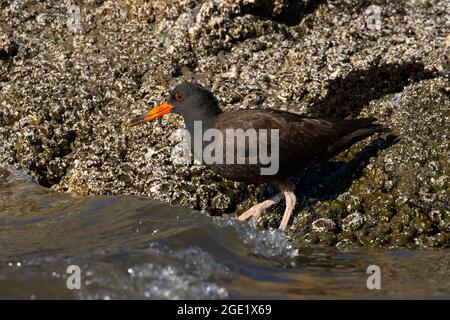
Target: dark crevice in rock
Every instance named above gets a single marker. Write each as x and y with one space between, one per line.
349 94
44 182
44 178
10 52
48 176
41 176
64 148
292 12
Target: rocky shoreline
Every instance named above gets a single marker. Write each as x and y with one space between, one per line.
71 80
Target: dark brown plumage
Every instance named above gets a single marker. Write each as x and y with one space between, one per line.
303 141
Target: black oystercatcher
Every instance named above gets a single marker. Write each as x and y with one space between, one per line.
303 141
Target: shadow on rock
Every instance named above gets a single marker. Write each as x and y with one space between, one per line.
326 181
348 95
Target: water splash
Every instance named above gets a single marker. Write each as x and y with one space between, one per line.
264 243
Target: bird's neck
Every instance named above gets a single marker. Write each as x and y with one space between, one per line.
207 117
197 123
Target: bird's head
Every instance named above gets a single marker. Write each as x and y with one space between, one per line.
187 99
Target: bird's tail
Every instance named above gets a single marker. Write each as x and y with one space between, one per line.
353 131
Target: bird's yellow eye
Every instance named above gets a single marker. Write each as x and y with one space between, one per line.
178 96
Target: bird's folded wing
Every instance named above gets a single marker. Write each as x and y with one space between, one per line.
300 137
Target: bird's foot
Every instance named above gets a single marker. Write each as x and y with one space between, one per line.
259 208
255 211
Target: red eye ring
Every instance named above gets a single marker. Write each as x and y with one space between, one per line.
179 96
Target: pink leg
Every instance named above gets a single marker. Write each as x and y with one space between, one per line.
259 208
290 205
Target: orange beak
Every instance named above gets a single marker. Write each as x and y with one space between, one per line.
154 113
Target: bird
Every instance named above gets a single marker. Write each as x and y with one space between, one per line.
303 141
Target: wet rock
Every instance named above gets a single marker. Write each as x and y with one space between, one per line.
323 225
69 84
353 222
4 174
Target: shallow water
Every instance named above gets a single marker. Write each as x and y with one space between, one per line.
134 247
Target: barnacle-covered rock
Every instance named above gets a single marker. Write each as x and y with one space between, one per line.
71 77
